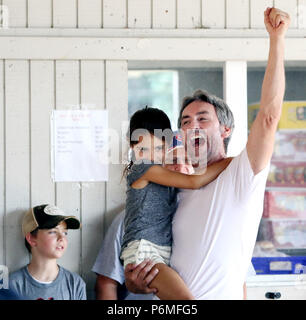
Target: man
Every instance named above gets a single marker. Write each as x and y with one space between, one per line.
108 268
215 228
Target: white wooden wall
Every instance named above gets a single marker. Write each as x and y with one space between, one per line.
143 14
32 90
59 54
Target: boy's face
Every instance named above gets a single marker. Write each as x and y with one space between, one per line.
51 243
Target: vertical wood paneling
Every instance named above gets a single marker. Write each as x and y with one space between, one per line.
42 104
139 14
17 13
92 84
235 95
291 8
117 106
89 13
68 193
114 14
164 14
2 166
188 14
301 14
257 8
213 14
39 13
237 14
64 13
93 194
17 178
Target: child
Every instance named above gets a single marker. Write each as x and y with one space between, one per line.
45 230
151 203
108 268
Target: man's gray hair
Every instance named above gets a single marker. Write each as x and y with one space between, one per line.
224 114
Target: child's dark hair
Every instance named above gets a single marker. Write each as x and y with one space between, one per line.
153 120
28 246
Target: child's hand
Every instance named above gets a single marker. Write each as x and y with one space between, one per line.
138 278
228 160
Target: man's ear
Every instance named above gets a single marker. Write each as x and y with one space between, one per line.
226 132
31 239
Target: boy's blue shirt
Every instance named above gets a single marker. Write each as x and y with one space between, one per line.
67 286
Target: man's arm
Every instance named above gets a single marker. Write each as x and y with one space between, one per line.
107 266
261 139
106 288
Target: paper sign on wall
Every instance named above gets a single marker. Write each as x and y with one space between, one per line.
79 145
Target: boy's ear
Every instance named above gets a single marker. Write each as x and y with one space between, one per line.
31 239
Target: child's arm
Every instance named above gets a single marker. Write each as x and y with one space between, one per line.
165 177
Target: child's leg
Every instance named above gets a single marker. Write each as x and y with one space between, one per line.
169 284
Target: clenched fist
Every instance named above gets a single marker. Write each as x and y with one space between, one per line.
277 22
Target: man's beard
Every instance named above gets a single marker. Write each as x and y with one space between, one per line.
204 151
197 147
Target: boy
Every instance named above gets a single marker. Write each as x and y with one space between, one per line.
45 230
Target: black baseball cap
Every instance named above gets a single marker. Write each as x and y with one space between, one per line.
47 216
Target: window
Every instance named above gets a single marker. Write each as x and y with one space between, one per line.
154 88
166 88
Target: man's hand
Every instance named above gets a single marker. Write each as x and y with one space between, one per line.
277 22
139 277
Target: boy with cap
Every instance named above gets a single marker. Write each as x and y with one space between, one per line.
45 230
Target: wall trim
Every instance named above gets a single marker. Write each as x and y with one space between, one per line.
145 48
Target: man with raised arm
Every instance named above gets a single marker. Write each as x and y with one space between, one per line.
215 228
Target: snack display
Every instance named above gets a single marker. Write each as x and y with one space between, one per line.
287 174
289 233
283 225
285 204
290 145
284 234
293 115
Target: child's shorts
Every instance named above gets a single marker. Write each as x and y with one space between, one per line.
139 250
